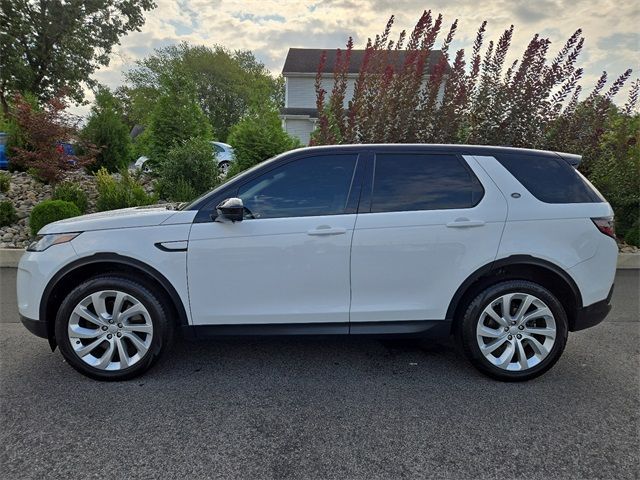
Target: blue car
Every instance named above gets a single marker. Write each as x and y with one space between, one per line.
4 163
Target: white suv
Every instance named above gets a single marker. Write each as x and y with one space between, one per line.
506 249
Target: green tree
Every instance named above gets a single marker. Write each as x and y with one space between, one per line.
176 117
256 138
106 130
226 84
50 44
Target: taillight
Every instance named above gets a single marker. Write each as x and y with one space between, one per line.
605 225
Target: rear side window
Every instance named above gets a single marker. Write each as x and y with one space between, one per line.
549 179
408 182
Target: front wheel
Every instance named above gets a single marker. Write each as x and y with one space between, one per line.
514 331
112 328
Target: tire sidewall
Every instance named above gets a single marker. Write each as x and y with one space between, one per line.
126 285
472 317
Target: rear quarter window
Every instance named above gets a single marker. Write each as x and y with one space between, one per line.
549 179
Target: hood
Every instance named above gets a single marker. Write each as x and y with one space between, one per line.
125 218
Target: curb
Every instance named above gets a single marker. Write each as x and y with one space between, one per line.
629 261
9 258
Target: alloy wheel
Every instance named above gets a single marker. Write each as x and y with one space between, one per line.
110 330
516 331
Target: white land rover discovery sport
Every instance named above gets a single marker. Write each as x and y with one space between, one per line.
506 249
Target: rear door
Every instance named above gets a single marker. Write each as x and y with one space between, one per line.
427 222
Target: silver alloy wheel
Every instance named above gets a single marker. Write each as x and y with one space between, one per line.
110 330
516 331
223 168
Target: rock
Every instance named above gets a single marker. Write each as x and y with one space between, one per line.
7 237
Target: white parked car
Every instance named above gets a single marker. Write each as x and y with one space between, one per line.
506 249
223 152
224 155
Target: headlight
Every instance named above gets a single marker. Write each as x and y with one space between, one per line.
42 242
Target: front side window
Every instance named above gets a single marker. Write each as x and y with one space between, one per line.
310 186
409 182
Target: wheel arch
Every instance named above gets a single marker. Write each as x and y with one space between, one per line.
523 267
86 267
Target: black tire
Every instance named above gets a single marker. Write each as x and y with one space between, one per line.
466 334
145 294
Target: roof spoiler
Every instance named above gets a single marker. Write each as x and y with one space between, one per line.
571 158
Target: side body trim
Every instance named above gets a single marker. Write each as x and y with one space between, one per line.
432 328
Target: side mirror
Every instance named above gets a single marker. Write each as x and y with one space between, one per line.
230 209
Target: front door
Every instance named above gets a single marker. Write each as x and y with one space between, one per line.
287 262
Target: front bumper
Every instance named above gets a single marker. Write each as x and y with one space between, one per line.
37 327
593 314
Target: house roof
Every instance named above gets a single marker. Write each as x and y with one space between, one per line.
307 60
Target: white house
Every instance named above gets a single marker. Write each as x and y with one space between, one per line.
299 114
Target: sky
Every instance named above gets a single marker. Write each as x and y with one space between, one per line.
269 28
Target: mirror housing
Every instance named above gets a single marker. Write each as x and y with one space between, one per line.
230 209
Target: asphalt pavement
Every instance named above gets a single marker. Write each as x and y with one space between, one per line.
344 408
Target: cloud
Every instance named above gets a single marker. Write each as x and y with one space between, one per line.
270 27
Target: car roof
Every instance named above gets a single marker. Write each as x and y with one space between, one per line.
571 158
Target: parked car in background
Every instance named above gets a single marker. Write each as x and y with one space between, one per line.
223 154
65 148
506 249
4 162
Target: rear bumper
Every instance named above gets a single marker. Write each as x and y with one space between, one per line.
593 314
37 327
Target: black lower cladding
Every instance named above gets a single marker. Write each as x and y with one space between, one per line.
593 314
427 328
37 327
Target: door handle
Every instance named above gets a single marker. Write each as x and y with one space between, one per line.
327 230
465 222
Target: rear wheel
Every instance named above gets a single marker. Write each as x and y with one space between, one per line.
514 331
112 328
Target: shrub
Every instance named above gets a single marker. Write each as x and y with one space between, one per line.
121 193
5 182
42 129
71 192
51 211
256 138
106 130
7 213
632 236
615 168
188 171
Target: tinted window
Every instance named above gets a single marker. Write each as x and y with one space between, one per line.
405 182
217 148
549 179
306 187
